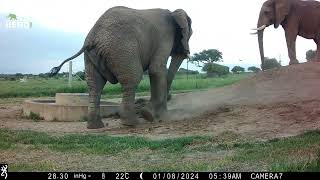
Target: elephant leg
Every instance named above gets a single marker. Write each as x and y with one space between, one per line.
158 83
317 58
128 111
129 76
291 44
95 84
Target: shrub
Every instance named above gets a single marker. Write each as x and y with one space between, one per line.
237 69
34 116
310 55
215 69
81 75
185 71
254 69
271 63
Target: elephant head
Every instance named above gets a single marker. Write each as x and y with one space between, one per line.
180 50
183 33
272 12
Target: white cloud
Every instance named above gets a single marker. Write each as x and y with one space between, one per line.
224 25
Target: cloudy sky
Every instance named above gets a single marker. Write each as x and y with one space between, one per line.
217 24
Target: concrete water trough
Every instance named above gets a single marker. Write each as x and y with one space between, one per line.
67 107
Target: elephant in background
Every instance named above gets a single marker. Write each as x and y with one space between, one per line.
297 17
124 43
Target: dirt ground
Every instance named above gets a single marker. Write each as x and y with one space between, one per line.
276 103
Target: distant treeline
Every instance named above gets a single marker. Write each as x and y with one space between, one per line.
79 74
185 71
17 76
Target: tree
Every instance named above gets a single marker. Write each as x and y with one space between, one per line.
310 55
18 75
206 56
185 71
12 16
214 69
270 63
44 75
81 74
254 69
237 69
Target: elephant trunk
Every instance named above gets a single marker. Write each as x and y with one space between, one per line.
261 49
173 68
260 29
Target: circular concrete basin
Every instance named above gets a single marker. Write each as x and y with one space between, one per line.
72 99
67 107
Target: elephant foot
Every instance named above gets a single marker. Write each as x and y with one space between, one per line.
293 62
169 97
147 115
95 124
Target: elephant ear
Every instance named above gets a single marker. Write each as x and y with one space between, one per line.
184 22
282 9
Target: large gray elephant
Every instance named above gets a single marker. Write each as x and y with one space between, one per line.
297 17
123 44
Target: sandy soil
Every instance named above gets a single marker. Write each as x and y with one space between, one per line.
276 103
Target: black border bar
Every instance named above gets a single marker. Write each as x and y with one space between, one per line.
161 175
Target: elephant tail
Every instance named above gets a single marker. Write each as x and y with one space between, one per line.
54 71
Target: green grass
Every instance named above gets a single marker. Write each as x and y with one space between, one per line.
194 153
278 153
92 144
25 167
49 87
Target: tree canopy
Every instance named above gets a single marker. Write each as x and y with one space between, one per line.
186 71
81 75
254 69
237 69
206 56
270 63
310 55
12 16
214 69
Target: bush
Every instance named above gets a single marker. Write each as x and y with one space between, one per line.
81 74
12 79
237 69
254 69
18 75
185 71
213 69
310 55
34 116
271 63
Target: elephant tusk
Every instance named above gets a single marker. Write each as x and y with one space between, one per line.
260 28
188 56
